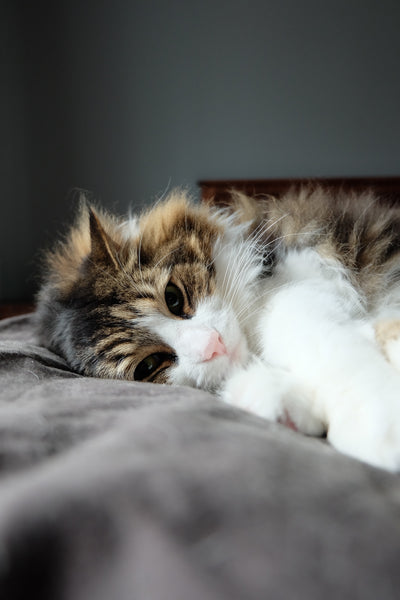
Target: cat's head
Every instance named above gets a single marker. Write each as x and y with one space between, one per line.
163 297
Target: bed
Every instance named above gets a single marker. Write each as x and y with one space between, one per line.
124 490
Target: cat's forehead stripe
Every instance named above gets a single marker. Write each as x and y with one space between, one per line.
187 230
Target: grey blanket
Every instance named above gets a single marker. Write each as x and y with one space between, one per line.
115 490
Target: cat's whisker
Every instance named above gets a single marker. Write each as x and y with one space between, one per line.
186 223
242 267
262 228
266 226
164 193
165 256
225 248
139 255
278 240
271 224
249 305
260 296
233 270
232 288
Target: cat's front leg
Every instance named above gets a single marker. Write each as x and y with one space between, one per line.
274 394
364 416
309 330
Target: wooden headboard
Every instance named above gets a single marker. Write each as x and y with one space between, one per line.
218 191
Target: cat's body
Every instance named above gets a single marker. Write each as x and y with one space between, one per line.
289 308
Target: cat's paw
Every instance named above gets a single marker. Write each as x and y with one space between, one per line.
273 394
256 389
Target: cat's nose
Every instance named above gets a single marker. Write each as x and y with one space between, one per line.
214 347
201 344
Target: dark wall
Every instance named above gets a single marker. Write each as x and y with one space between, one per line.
128 98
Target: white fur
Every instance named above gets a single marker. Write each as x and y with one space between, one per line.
229 312
314 328
188 336
130 228
393 352
300 346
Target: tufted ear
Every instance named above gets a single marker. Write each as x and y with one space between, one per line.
102 247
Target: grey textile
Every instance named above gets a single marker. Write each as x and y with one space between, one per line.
128 491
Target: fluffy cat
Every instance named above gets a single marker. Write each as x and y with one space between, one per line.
287 308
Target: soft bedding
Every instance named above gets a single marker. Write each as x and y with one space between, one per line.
122 490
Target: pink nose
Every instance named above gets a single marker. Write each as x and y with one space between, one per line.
214 347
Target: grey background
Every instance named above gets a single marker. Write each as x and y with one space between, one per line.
129 98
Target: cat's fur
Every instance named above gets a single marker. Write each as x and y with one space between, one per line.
289 308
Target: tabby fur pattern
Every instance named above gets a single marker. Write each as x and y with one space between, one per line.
289 307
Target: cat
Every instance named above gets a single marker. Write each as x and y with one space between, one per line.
288 308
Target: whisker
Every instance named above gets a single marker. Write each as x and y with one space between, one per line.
139 255
265 226
261 296
167 254
165 192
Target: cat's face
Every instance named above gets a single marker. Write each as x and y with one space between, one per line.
162 298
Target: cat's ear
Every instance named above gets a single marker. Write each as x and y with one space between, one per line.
102 248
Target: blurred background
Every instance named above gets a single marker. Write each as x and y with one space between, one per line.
130 98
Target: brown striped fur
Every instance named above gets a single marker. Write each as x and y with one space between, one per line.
357 230
101 280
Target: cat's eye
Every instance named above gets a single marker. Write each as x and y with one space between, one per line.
151 364
174 299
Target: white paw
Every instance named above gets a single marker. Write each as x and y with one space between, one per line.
273 394
256 389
